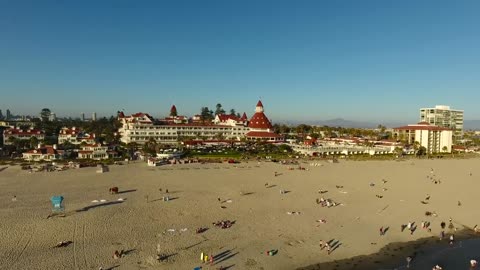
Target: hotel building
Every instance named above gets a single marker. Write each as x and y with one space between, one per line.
443 116
141 127
435 139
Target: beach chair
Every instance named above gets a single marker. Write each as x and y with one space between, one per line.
57 204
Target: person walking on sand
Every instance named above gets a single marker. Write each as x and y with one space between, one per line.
329 250
381 231
321 244
442 235
451 240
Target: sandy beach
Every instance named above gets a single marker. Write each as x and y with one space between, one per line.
264 218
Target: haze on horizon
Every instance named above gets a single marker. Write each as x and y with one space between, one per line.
375 61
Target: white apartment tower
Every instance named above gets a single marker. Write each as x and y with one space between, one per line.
443 116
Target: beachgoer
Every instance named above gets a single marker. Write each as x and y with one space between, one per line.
442 224
403 226
409 259
321 244
117 255
442 235
166 190
14 198
451 239
475 228
409 225
381 231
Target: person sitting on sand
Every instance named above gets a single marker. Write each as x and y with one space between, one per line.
475 228
117 254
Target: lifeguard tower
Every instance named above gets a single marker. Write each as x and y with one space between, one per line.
58 206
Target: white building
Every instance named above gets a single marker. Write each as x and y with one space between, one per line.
75 136
44 153
93 151
230 120
443 116
21 134
434 138
141 127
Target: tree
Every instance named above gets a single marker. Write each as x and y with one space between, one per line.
45 114
33 142
219 109
232 112
421 151
206 114
416 146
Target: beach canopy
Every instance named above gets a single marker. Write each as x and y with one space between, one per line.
57 203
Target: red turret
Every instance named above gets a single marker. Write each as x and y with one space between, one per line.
173 111
259 120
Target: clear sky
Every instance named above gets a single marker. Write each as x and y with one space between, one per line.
359 60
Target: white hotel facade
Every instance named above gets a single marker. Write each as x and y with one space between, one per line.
443 116
141 127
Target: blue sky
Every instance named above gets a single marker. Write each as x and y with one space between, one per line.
377 61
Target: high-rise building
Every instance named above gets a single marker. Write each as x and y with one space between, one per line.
443 116
83 116
1 115
94 116
9 114
52 117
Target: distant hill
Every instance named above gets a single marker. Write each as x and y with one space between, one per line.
340 122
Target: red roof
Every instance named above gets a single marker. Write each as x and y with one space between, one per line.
259 120
225 117
15 131
121 115
173 109
263 134
70 131
259 103
244 117
140 114
43 150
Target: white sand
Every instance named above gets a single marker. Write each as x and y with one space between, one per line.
262 222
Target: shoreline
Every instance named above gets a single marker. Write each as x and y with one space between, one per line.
424 251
